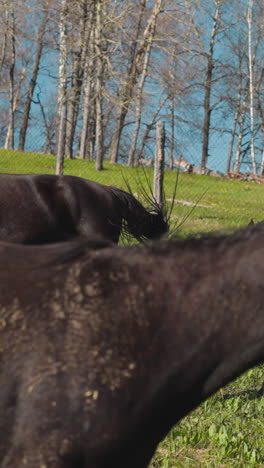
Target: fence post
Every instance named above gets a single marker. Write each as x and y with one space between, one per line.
159 162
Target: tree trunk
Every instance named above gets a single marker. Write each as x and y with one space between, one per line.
251 86
125 92
72 104
61 132
262 161
15 104
148 130
231 146
5 40
208 89
99 88
86 148
261 116
33 81
49 144
10 139
172 120
138 104
159 163
259 98
134 68
78 56
236 117
241 125
62 89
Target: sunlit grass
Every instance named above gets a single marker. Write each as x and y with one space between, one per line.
225 431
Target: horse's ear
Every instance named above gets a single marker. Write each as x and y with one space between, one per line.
251 222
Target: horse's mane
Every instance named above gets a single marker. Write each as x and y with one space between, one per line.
35 257
215 239
136 216
76 248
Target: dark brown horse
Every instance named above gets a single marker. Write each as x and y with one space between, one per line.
103 349
37 209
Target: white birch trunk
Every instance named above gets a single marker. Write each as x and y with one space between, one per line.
208 87
99 88
159 163
9 143
138 104
5 39
86 152
262 162
231 146
78 60
15 104
62 89
235 123
172 122
251 86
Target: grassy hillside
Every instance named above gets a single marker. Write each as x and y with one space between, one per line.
227 430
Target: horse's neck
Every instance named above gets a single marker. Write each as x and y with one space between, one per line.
211 327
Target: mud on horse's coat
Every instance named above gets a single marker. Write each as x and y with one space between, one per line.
38 209
101 354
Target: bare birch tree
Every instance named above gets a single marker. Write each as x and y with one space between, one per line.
149 127
62 88
261 115
134 67
246 49
241 128
33 80
208 85
158 191
99 86
139 91
80 17
49 126
5 22
9 143
15 104
239 107
86 139
251 85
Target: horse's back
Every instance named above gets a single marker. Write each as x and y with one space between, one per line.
44 208
36 208
99 211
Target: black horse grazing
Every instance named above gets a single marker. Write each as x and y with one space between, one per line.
104 348
37 209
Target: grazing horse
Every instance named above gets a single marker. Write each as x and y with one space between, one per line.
104 348
37 209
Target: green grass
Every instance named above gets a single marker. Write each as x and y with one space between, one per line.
227 430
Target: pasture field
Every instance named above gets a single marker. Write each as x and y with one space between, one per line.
228 429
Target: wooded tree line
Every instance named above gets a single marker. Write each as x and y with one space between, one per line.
97 75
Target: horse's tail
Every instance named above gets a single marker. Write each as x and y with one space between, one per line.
138 221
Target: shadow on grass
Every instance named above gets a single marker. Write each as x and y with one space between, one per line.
249 394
